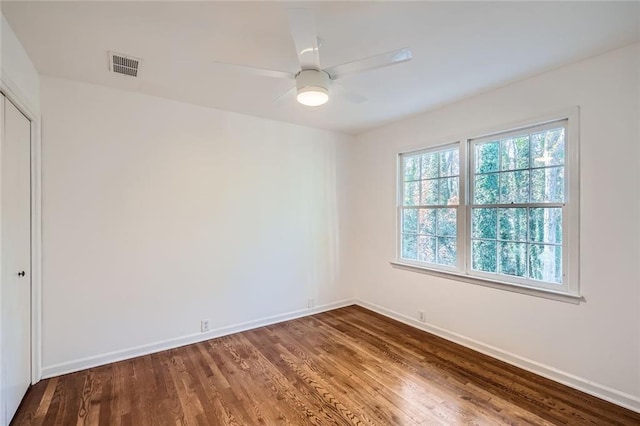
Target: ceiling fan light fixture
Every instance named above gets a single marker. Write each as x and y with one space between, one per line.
312 87
313 96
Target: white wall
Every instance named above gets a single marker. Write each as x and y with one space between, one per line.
597 341
157 214
17 71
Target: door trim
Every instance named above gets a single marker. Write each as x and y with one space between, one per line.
12 92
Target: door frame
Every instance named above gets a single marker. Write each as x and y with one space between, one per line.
12 92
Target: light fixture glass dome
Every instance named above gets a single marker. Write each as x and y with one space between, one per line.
313 96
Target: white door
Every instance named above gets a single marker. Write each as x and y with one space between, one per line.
15 134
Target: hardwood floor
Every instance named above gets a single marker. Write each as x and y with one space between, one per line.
347 366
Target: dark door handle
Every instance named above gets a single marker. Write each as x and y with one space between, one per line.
21 274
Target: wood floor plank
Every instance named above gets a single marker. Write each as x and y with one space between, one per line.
42 393
349 366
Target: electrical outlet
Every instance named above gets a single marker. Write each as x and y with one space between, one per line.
311 303
204 325
421 316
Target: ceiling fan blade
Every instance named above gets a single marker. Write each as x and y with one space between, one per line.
302 23
373 62
262 72
286 94
349 95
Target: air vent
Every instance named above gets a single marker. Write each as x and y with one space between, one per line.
122 64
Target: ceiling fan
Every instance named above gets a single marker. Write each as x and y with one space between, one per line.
312 82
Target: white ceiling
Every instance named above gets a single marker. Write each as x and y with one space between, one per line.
459 49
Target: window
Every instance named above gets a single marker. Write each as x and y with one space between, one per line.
494 209
430 206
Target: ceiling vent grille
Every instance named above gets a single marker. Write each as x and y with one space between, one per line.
122 64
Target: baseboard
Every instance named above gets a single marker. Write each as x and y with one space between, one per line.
587 386
121 355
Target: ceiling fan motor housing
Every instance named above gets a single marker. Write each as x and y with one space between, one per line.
312 81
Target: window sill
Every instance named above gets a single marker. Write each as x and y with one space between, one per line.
531 291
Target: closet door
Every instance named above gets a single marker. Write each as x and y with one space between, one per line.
16 256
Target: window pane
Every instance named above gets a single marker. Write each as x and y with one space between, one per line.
486 157
410 220
486 189
429 192
427 249
409 246
484 223
411 193
427 222
448 192
545 225
411 167
449 163
446 251
515 153
545 263
512 259
430 165
547 148
513 224
547 185
483 254
514 187
446 222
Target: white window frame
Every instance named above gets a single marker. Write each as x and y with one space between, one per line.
459 208
569 290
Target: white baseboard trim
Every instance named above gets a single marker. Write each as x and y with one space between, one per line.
601 391
121 355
